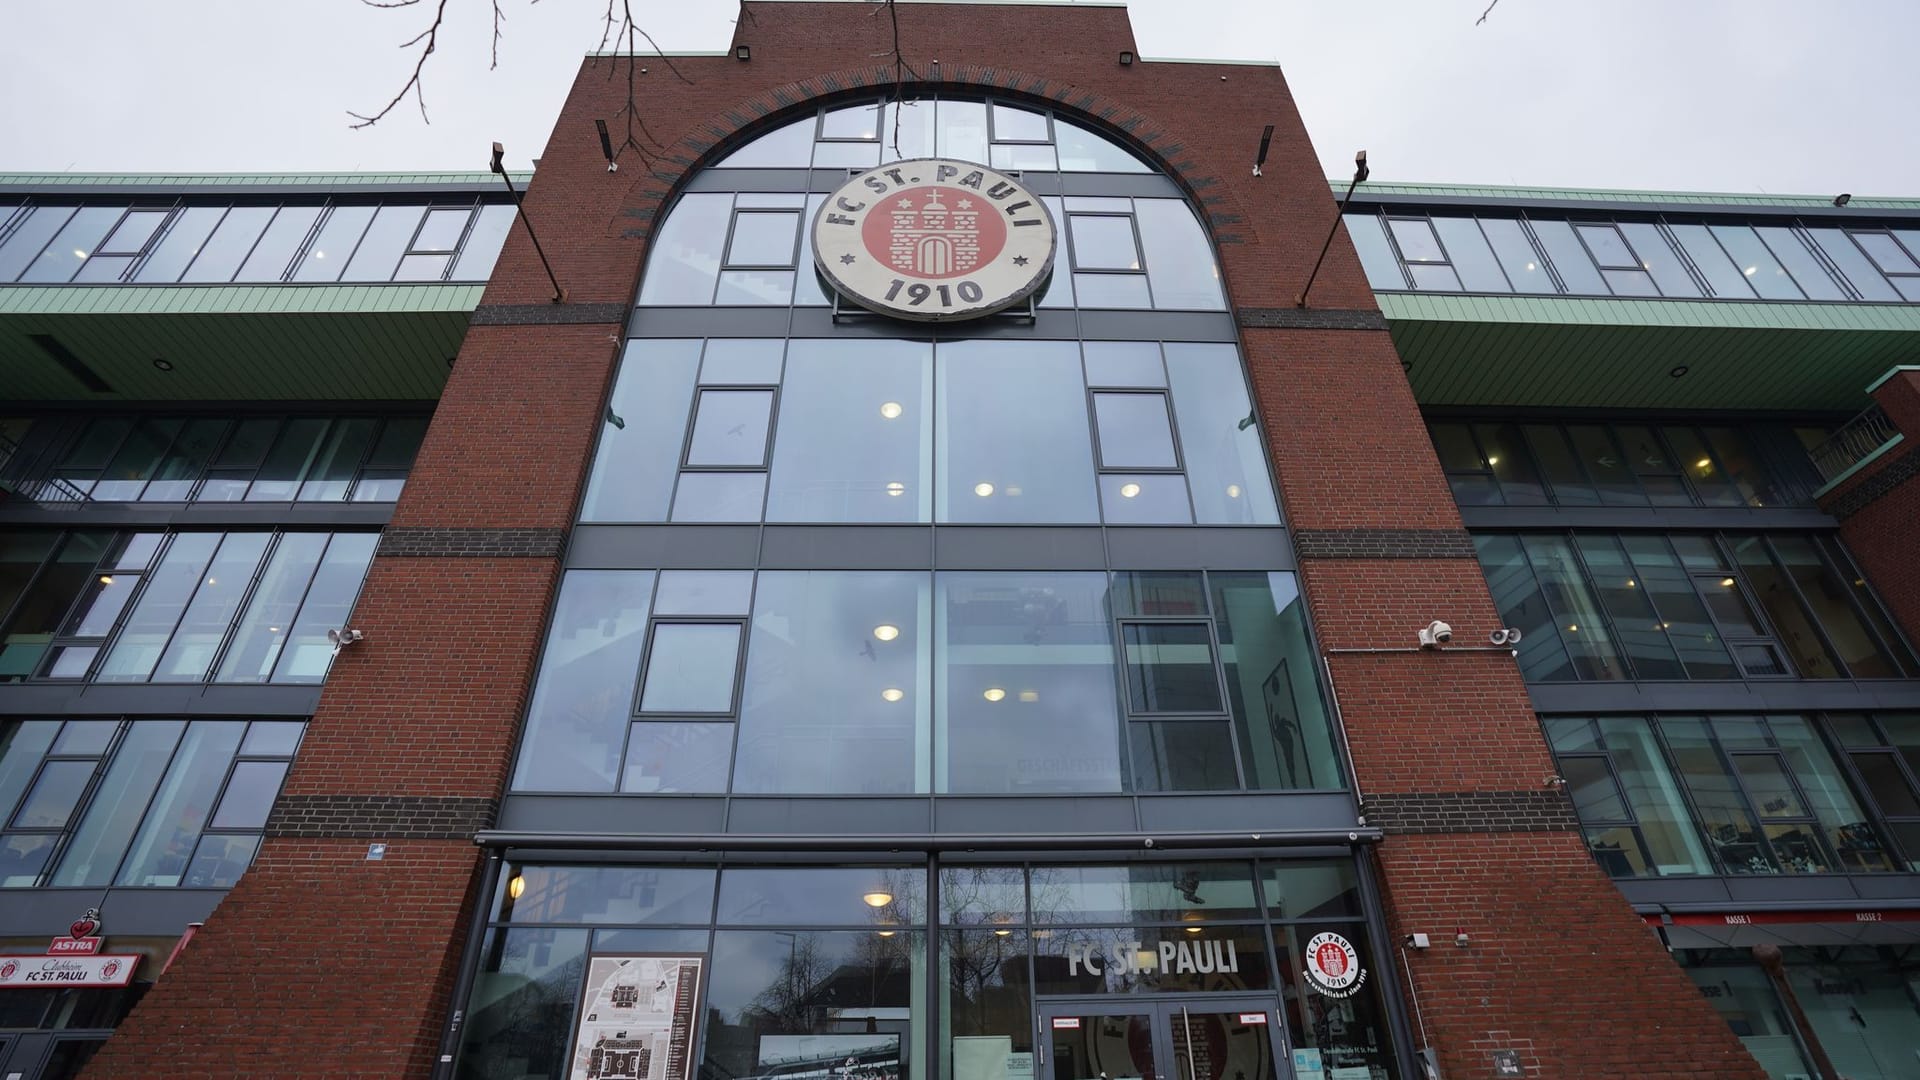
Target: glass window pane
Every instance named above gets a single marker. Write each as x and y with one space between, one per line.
852 122
1150 892
220 860
1121 291
1566 479
1028 663
164 847
1791 624
336 585
665 758
836 696
1123 363
1681 614
1018 125
1730 829
742 362
1416 240
1844 826
1867 604
117 807
1466 468
1012 434
268 738
1219 441
385 241
1472 258
1765 778
1606 464
583 694
1641 630
1517 256
177 247
1435 277
1182 755
1702 470
385 473
1608 248
38 613
719 496
846 155
278 478
263 630
854 441
640 436
1570 259
441 230
210 615
1158 592
520 967
270 257
762 238
1828 597
1887 252
1576 614
54 795
168 590
1726 280
24 245
72 245
134 462
1630 283
1657 257
755 287
220 257
1506 456
1760 268
1145 499
1103 242
1658 473
1134 431
100 604
422 267
1859 270
906 130
1517 595
788 147
249 795
333 468
1590 784
840 896
1083 151
1807 272
1170 668
610 894
1376 255
482 249
177 472
703 592
1666 826
1279 717
690 668
962 130
730 427
104 268
1179 254
328 256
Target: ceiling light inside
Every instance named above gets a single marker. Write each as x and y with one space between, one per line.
892 693
1128 491
891 410
983 489
886 631
994 693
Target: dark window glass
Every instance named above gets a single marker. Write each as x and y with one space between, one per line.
1576 613
1643 634
1158 592
175 476
1570 259
338 459
1182 755
134 463
1467 471
1590 784
1796 631
116 809
54 795
1743 468
1866 603
1561 467
1832 608
39 611
1506 455
838 896
1170 668
1279 718
524 997
278 479
1653 466
1517 595
1607 464
220 257
385 473
1734 837
1681 614
1693 457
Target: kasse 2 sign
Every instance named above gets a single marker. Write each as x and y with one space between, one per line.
934 240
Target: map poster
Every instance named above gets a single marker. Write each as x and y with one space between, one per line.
637 1016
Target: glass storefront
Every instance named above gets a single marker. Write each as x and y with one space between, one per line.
1861 1002
1232 969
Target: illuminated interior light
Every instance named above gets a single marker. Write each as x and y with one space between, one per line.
886 631
994 693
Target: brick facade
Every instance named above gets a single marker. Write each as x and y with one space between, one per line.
1879 506
324 963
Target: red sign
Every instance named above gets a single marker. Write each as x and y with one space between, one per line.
42 972
1763 918
73 946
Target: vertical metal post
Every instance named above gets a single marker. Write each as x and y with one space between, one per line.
1360 172
469 968
1769 959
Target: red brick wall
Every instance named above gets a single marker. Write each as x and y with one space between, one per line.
1880 507
322 963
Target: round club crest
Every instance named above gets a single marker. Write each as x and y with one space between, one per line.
934 240
1333 966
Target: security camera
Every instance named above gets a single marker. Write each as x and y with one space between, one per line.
1435 634
1506 635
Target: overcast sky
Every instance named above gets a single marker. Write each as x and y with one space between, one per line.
1805 96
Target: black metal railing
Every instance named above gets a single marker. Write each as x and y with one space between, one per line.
1856 439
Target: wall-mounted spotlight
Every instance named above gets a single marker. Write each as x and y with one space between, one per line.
1126 57
742 53
1843 198
606 145
1266 140
343 637
1435 634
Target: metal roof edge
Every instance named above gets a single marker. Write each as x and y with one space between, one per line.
107 183
1637 197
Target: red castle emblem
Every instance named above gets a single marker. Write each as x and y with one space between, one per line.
934 233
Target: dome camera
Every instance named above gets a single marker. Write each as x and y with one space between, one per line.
1435 634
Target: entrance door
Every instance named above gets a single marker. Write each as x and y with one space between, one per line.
1202 1037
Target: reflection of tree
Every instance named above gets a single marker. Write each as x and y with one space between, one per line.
524 1028
789 1002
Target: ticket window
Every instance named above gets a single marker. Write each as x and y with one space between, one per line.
1199 1039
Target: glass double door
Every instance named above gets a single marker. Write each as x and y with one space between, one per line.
1208 1037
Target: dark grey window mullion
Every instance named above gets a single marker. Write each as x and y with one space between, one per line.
186 424
51 237
1220 684
654 621
173 758
1666 624
1900 649
366 454
1139 249
1618 641
1498 262
141 577
1605 758
1674 769
64 834
1820 255
740 695
1580 238
1805 294
1686 259
174 213
1219 675
13 219
1533 573
1540 250
241 265
306 242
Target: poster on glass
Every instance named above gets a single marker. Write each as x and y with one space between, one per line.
637 1015
870 1056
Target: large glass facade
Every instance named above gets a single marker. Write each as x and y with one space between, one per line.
846 966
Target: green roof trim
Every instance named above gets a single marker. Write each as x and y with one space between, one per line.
1553 194
237 299
214 180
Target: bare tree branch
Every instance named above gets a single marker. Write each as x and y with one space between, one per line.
431 35
497 19
1484 14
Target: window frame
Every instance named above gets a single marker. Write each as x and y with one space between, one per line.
736 684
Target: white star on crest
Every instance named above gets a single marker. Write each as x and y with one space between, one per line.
906 204
965 204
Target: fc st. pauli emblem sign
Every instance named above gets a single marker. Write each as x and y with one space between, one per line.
934 240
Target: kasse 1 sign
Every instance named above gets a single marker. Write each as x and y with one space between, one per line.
934 240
